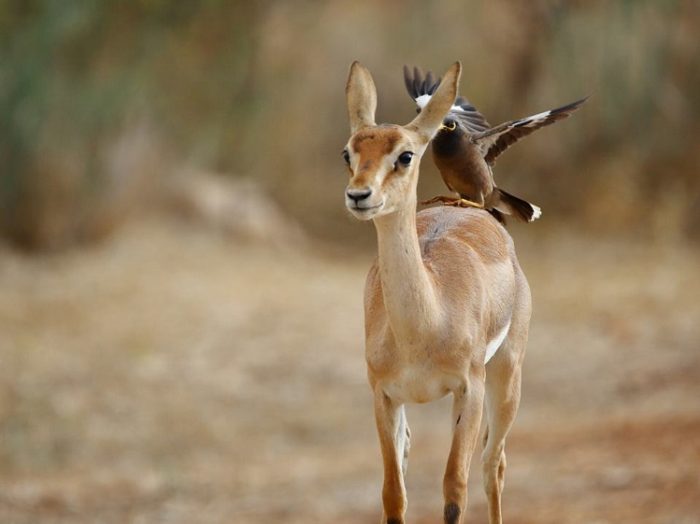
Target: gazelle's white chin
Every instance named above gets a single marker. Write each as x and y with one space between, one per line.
365 213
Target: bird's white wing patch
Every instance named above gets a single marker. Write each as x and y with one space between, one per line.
493 346
531 120
538 116
423 100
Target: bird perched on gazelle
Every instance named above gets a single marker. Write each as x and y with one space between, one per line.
466 147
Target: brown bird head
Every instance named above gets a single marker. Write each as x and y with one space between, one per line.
450 139
452 126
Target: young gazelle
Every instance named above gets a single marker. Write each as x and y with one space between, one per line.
447 307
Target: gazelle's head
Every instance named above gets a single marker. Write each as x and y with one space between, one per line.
383 159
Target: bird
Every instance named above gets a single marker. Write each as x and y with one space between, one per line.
466 146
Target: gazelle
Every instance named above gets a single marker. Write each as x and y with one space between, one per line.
447 307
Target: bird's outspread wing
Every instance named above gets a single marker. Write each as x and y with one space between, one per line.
493 142
421 88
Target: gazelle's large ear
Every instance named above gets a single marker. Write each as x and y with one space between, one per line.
431 116
361 96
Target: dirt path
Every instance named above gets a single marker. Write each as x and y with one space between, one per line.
172 375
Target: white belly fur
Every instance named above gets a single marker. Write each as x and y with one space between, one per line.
493 346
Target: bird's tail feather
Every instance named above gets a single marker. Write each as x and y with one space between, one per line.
517 207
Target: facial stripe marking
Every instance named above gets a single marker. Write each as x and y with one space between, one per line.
381 138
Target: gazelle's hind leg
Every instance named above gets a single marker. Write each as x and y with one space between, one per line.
403 440
503 377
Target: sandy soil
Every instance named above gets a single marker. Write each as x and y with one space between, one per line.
174 375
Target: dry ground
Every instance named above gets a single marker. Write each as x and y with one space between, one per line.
173 375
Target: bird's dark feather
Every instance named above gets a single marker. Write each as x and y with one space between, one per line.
417 85
497 139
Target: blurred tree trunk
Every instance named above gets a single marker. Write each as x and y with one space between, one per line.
536 24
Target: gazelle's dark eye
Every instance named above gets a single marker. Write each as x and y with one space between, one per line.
346 156
405 158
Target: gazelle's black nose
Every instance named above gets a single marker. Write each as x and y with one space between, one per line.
358 194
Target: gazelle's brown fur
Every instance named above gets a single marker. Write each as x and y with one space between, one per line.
446 289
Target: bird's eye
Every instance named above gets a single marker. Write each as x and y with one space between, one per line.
405 158
449 125
346 156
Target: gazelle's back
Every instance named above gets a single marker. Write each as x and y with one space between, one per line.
473 232
472 260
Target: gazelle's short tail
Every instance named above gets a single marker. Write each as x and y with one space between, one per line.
517 207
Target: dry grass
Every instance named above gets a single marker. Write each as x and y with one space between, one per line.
174 375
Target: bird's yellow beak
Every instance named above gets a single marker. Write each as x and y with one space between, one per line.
451 127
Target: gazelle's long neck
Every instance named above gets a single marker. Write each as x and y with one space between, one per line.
409 293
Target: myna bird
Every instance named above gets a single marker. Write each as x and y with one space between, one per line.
466 147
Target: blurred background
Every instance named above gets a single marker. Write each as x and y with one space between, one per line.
180 285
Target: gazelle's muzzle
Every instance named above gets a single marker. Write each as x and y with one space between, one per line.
363 203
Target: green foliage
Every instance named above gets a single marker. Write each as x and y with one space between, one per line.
75 72
256 88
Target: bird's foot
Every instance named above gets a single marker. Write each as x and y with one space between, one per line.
451 201
448 201
463 202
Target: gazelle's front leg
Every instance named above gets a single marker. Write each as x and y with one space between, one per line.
391 427
466 418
